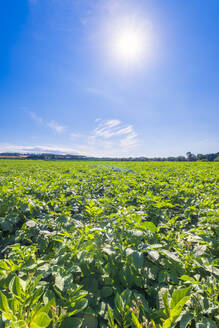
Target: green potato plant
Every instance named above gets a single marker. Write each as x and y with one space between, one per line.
109 244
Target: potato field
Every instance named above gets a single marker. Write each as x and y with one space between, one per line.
109 244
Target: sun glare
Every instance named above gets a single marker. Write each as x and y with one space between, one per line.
128 45
125 37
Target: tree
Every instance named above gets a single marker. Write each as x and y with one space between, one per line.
191 157
200 157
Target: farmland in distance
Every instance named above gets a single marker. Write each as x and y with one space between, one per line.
108 244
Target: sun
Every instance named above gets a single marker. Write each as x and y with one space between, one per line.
128 45
124 38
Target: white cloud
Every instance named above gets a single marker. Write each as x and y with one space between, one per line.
52 124
127 130
55 126
129 140
37 149
36 118
110 138
112 123
112 128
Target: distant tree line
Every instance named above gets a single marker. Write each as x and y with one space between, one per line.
213 157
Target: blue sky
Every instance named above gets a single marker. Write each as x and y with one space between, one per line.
63 90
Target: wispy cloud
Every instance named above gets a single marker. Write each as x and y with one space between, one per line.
129 141
55 126
112 128
36 118
109 138
52 124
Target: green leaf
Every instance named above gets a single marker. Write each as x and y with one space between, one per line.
119 303
77 307
149 226
162 277
154 255
138 234
138 259
110 317
106 291
19 324
175 312
170 255
6 226
40 320
4 266
59 282
31 223
33 299
188 278
126 296
49 297
15 286
166 303
177 295
185 320
167 323
215 271
4 303
15 305
206 323
135 321
72 323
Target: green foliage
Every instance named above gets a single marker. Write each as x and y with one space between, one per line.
22 306
119 245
